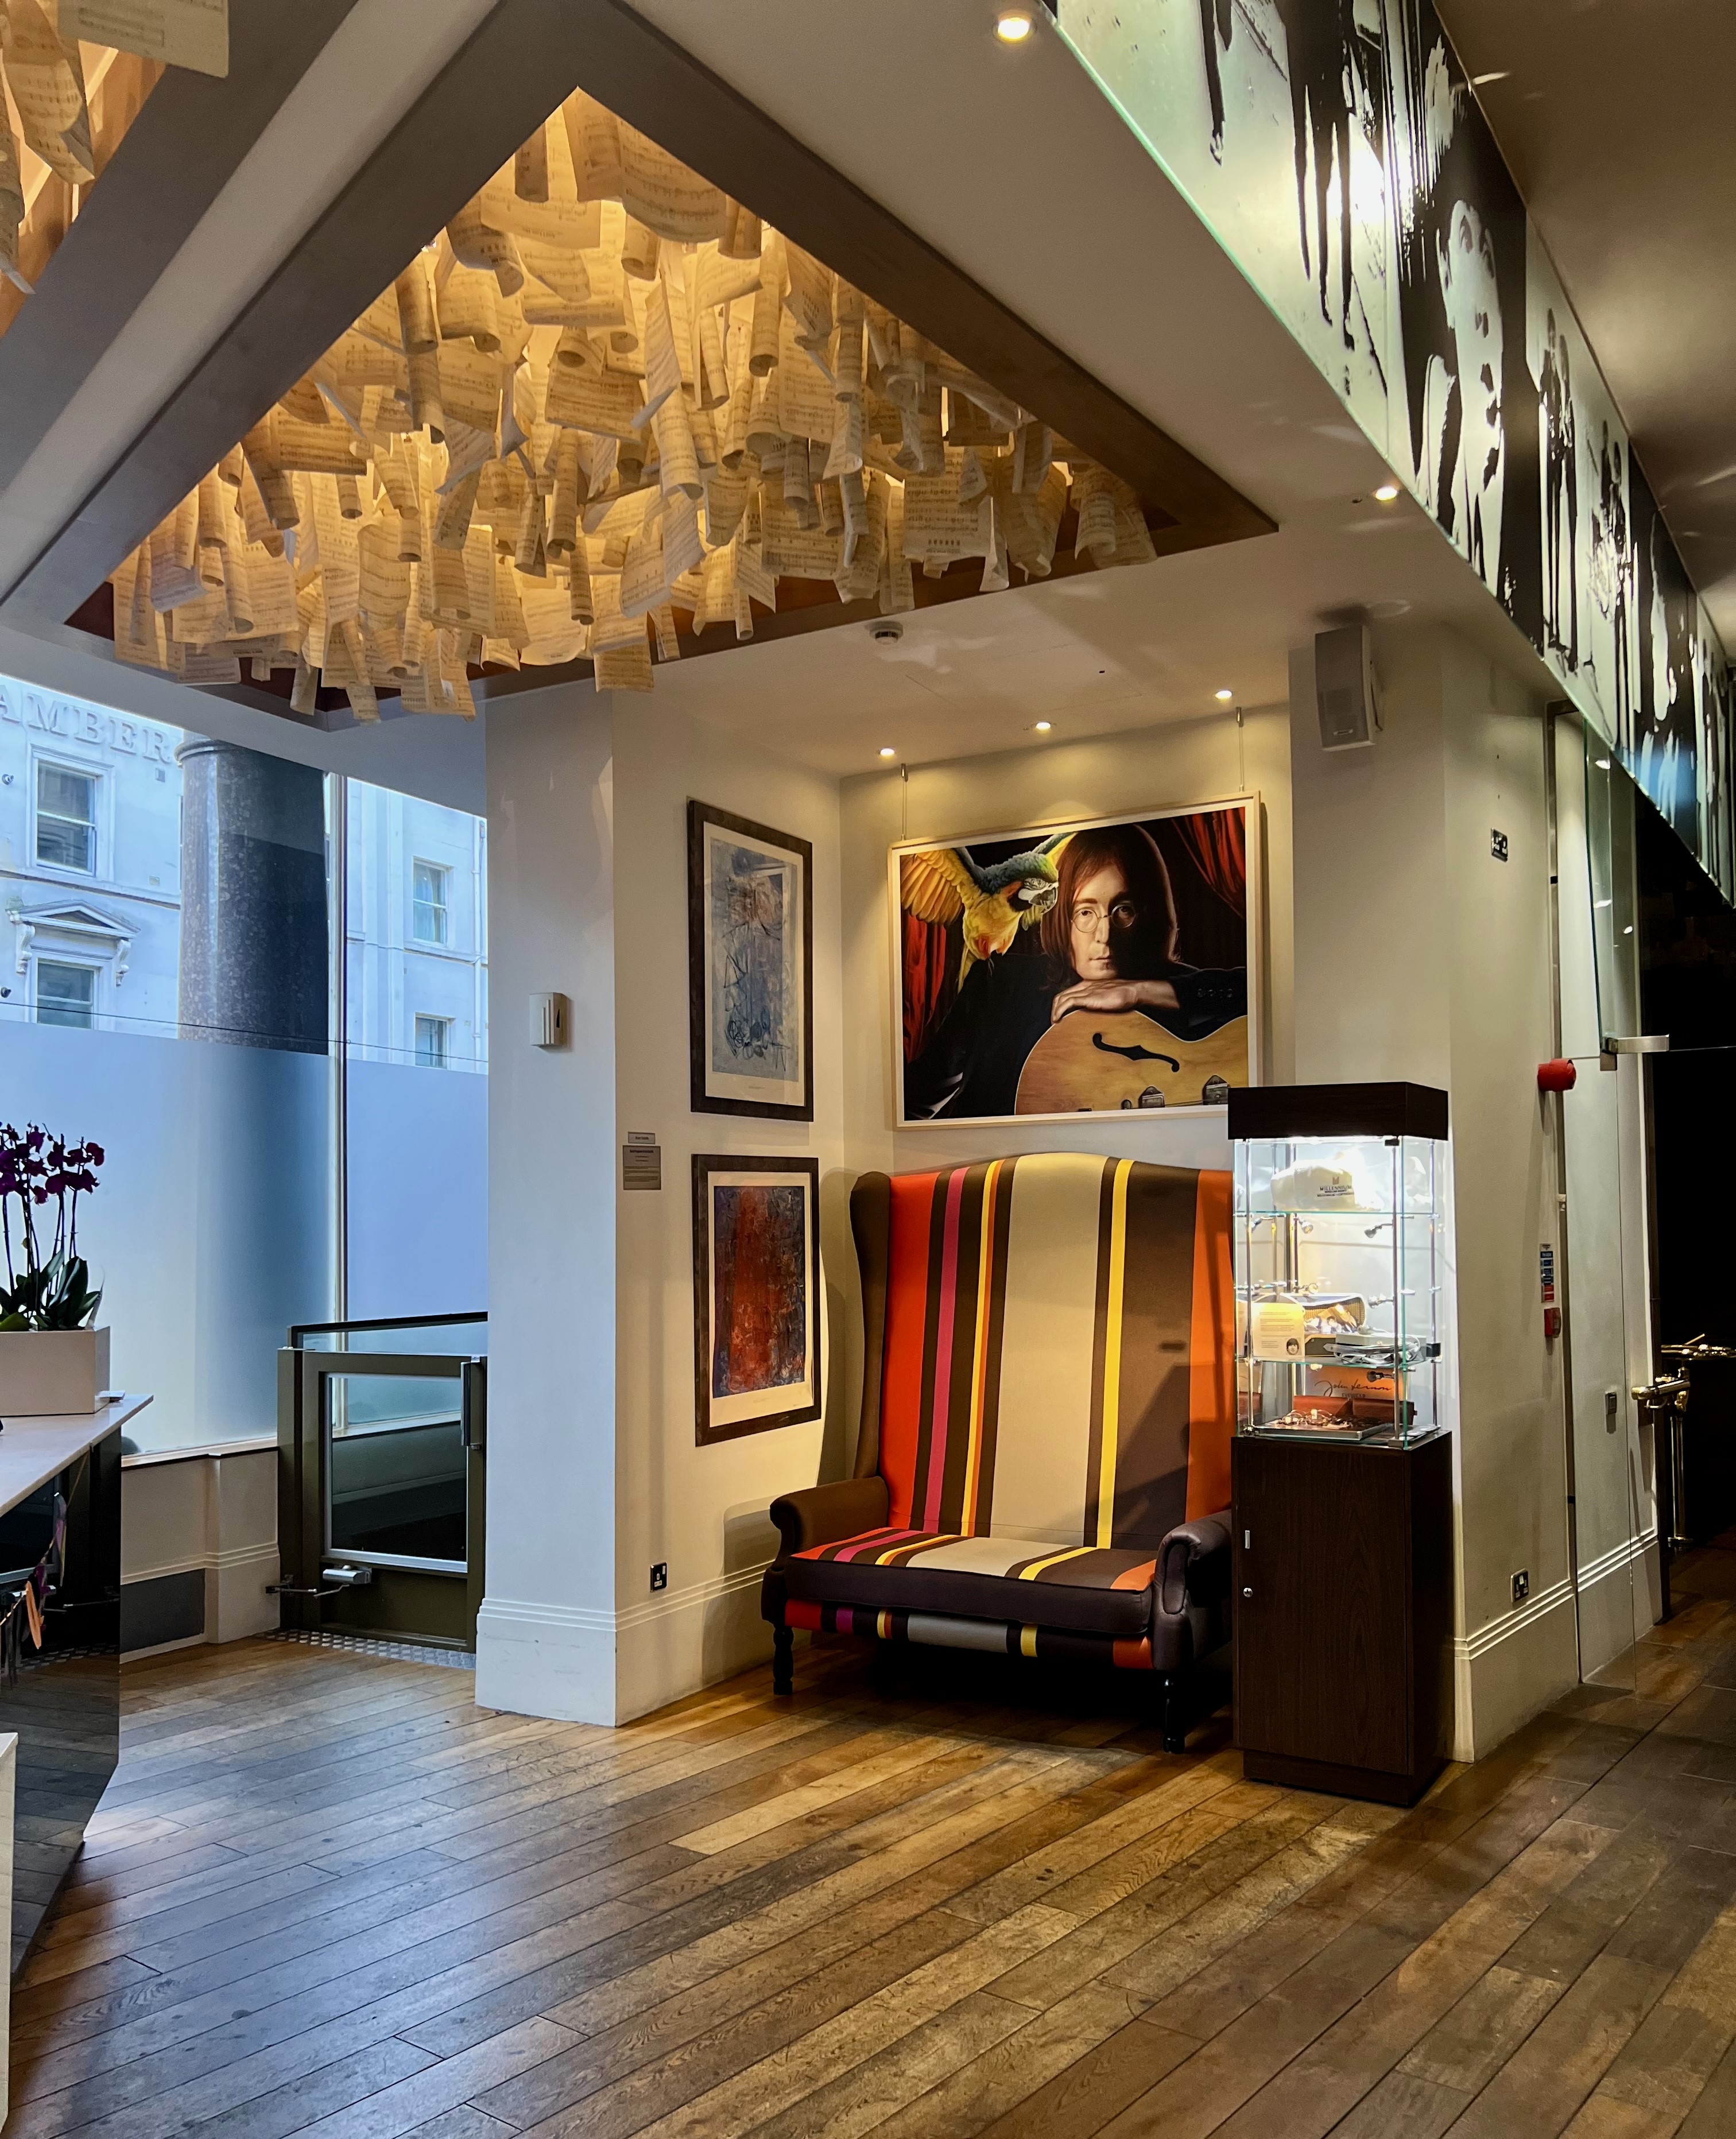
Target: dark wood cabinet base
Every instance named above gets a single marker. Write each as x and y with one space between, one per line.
1343 1594
1335 1780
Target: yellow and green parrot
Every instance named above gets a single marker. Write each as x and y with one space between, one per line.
995 902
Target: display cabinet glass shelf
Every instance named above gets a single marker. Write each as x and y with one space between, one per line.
1339 1261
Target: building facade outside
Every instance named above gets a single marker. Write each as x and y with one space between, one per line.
90 891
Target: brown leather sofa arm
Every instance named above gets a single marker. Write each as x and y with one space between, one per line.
821 1515
1193 1566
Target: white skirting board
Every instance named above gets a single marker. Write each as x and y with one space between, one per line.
1514 1666
588 1665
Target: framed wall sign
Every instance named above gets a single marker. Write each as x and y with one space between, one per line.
1095 966
750 967
756 1350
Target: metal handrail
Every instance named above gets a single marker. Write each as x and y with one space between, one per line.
298 1331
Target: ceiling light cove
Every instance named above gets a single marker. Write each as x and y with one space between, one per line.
1013 26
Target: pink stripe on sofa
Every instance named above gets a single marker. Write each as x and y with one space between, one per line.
943 1348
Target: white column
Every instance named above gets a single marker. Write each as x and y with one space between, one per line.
1421 956
546 1633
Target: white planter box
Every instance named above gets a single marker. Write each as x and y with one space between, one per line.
44 1372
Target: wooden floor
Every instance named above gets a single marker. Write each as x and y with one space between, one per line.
326 1894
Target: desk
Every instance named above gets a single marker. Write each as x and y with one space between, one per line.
65 1707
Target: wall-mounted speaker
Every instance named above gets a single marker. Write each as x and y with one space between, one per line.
1345 693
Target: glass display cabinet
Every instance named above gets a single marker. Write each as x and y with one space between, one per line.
1339 1261
1341 1471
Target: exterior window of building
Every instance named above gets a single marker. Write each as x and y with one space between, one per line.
66 819
432 1036
65 994
428 916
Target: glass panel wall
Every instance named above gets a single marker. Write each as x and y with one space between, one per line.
167 976
416 1015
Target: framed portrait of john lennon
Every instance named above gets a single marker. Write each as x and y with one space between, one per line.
750 967
757 1337
1103 966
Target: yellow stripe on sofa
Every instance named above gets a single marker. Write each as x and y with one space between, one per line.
1112 1355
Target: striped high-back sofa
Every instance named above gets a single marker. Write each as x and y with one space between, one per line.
1042 1467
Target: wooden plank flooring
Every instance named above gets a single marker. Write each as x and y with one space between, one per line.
326 1894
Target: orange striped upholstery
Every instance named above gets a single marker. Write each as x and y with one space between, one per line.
1058 1356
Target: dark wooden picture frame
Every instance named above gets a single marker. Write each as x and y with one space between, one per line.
709 1425
709 1092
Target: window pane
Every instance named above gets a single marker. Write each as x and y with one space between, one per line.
65 819
431 1049
65 994
428 918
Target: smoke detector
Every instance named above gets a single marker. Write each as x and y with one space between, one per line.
886 631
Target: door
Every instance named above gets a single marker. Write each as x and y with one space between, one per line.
1605 1223
382 1493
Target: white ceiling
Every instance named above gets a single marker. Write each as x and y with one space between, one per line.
1092 653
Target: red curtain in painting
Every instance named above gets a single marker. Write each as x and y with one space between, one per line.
927 981
1217 843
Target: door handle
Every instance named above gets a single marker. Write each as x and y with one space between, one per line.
473 1405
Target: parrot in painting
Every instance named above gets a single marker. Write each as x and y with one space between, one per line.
995 902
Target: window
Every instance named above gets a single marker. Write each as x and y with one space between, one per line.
66 819
433 1035
428 918
65 994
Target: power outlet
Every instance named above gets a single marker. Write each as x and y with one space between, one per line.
1522 1585
660 1575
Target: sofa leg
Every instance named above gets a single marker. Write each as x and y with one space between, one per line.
783 1660
1173 1710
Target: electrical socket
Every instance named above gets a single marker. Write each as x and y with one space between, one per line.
1522 1585
660 1575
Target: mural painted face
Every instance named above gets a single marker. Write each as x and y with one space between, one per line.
1103 913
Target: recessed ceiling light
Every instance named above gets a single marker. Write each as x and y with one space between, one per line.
1223 697
887 751
1482 81
1012 26
1387 492
1043 726
1602 764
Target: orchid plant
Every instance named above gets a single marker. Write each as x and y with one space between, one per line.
53 1290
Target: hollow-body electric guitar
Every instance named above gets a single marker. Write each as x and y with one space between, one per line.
1097 1062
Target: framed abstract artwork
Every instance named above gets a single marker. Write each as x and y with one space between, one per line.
1083 968
750 967
756 1352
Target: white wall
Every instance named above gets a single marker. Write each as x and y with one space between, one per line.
546 1636
1420 956
703 1510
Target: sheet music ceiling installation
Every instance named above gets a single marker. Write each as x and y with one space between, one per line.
606 395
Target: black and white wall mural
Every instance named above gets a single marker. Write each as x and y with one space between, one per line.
1339 153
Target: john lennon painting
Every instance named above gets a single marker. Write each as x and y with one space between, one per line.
750 966
1077 968
755 1280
